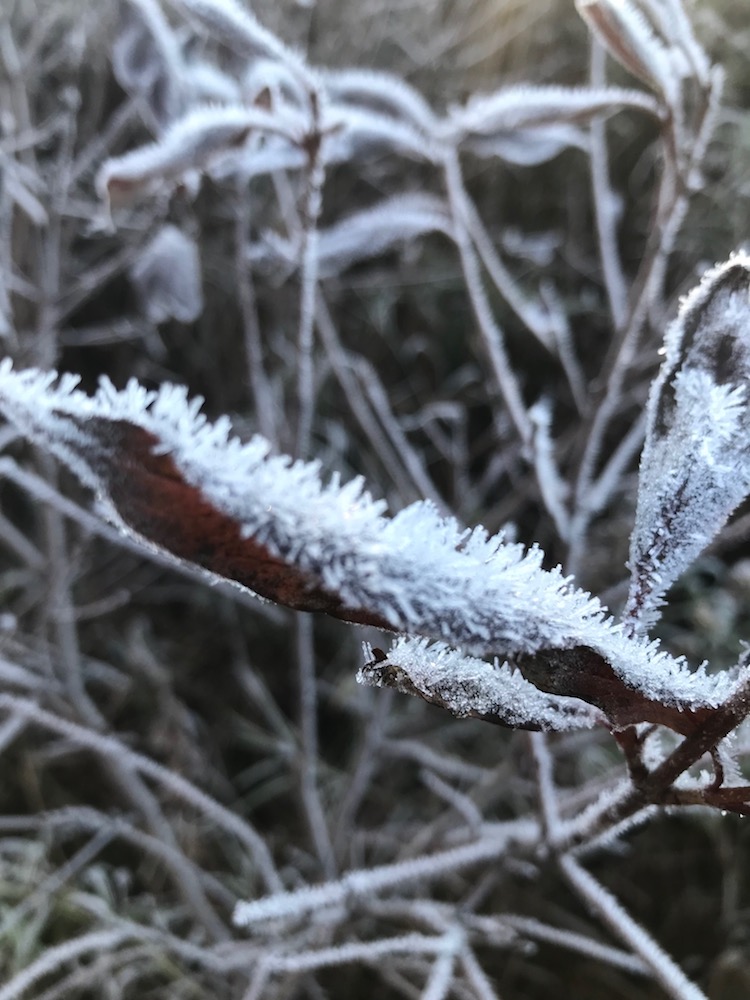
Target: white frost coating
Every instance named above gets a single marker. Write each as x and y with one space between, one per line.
695 467
380 90
234 25
422 573
192 142
530 146
467 686
374 230
356 130
362 235
626 33
366 882
527 107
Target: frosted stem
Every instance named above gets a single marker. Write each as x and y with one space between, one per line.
309 280
604 905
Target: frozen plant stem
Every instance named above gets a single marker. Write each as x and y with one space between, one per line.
490 331
309 750
549 808
364 883
670 215
604 905
343 366
265 404
111 749
52 958
60 609
309 277
677 183
605 202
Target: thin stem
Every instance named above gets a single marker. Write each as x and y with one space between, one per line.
60 608
546 787
344 368
263 398
491 333
110 748
309 280
605 202
309 751
52 958
367 764
670 214
366 882
664 969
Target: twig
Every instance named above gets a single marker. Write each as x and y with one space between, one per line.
309 751
622 925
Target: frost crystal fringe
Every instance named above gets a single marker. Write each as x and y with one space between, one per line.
163 472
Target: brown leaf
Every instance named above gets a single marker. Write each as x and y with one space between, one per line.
152 498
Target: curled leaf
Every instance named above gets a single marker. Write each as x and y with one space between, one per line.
695 466
382 92
530 147
192 143
233 25
627 35
523 108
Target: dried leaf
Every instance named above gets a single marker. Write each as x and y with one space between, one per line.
625 33
191 144
695 467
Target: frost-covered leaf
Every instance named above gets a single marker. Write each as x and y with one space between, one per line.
382 92
167 277
672 23
467 686
146 59
356 132
528 107
258 159
630 39
236 27
529 147
192 143
362 235
695 467
270 82
175 481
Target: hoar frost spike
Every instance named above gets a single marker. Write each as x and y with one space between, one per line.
695 467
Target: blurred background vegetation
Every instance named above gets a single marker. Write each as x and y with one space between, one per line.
206 682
